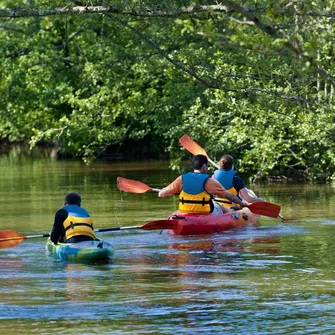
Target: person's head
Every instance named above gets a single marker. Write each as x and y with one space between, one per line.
72 198
226 162
200 162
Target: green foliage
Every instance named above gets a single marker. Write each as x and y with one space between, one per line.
258 85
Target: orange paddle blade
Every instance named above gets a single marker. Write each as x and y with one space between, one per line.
191 146
265 208
132 186
10 238
160 224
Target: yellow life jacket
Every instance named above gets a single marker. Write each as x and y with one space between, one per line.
193 198
224 201
78 222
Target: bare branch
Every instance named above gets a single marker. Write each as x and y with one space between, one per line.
144 12
226 6
11 28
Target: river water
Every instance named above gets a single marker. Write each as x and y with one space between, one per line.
278 278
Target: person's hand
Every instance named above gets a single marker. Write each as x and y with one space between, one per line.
163 193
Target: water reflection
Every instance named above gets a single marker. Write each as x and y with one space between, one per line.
82 282
233 245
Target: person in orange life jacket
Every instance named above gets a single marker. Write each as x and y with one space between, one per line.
196 189
72 223
227 177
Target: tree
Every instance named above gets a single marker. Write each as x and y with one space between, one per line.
255 78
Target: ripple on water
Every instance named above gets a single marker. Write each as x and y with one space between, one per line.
328 222
237 283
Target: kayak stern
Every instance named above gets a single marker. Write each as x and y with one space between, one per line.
195 224
88 251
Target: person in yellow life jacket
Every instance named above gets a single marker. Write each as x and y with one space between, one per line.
196 190
228 178
72 223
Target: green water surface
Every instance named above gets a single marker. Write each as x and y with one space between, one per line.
275 279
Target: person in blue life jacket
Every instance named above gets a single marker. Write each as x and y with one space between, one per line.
196 188
72 223
228 178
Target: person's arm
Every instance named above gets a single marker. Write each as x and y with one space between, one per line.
174 187
249 195
214 187
57 231
245 193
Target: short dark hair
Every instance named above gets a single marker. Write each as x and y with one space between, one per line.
226 162
198 161
73 198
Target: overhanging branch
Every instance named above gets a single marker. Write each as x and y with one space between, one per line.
226 6
79 10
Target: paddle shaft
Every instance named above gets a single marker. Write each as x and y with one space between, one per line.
102 230
10 238
213 163
38 236
25 237
95 230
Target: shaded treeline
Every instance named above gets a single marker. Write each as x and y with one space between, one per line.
251 78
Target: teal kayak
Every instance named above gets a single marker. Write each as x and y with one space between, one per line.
88 251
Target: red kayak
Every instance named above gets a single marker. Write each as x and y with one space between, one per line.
194 224
190 224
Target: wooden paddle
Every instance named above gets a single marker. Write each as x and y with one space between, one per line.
196 149
11 238
260 208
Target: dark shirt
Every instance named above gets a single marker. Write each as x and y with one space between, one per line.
238 183
58 232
